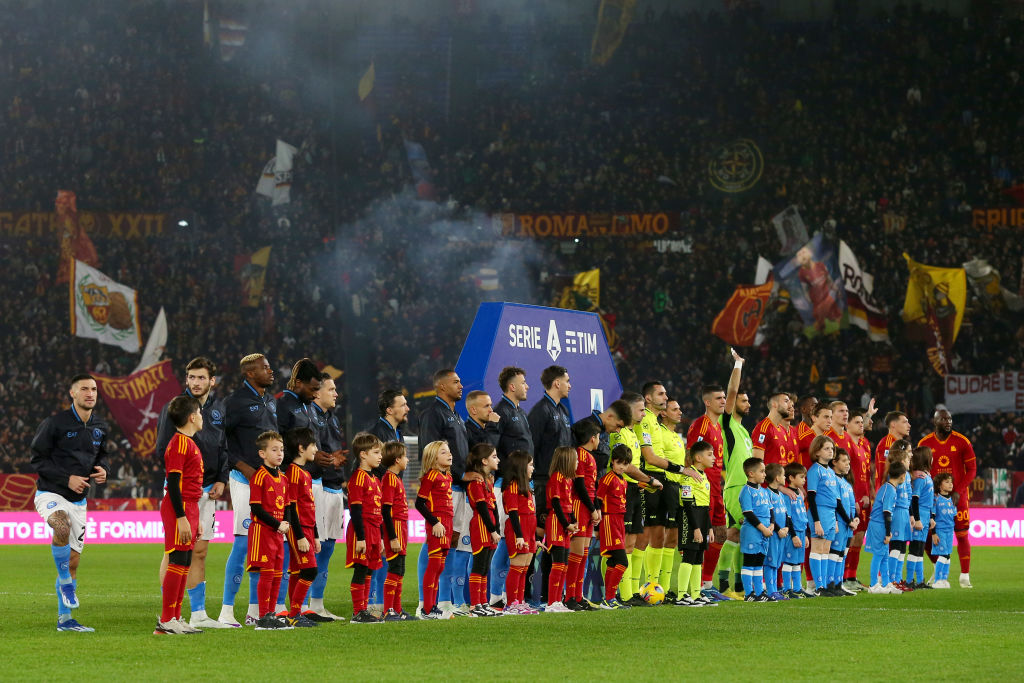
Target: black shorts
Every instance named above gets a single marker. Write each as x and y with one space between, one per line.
660 506
634 518
703 519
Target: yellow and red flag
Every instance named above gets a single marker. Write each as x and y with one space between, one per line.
738 322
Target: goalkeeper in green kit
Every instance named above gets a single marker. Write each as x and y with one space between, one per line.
738 447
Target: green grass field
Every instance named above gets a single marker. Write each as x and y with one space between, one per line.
934 635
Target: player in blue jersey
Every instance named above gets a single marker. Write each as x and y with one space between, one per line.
879 534
793 555
922 499
775 475
849 521
755 530
942 535
901 518
822 499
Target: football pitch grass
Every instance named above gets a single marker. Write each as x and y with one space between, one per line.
926 635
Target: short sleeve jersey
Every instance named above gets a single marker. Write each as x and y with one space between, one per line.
561 488
436 489
300 492
885 501
705 429
945 514
611 491
648 434
774 440
696 490
755 499
823 482
392 493
184 457
364 489
514 500
628 437
923 488
955 455
270 491
482 491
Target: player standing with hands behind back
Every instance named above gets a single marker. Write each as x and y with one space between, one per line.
69 453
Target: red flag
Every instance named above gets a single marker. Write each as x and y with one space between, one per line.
135 402
74 242
1016 192
737 323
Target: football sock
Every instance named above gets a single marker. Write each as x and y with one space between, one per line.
652 564
725 563
282 593
963 550
431 579
758 582
265 581
673 583
572 575
694 590
515 585
852 561
234 569
769 575
632 578
477 589
710 561
173 585
894 566
685 570
62 611
254 599
421 568
593 574
297 589
556 582
323 558
612 578
668 558
62 559
877 560
498 571
391 588
197 597
377 580
748 580
581 577
358 590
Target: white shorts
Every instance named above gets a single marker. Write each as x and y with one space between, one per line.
462 518
207 519
330 509
240 504
48 503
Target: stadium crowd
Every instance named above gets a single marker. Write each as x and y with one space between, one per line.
911 115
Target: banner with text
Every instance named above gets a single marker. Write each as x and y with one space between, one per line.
998 392
133 225
572 225
1005 217
135 402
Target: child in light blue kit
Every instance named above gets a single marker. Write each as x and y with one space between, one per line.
849 520
879 534
901 517
755 530
775 475
793 548
921 502
942 535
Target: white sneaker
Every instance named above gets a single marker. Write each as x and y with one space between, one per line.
203 620
558 607
327 615
893 590
941 584
227 617
460 610
250 620
186 628
965 581
878 589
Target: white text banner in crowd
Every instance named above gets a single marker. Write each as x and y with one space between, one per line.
998 392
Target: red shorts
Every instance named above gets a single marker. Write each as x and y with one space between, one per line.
171 541
611 533
403 539
583 519
435 544
554 533
266 547
370 558
479 536
529 524
717 505
298 560
963 515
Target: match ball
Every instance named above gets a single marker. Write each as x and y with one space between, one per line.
652 593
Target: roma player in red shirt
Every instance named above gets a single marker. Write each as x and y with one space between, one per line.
561 523
821 425
268 497
434 502
520 528
952 452
771 435
611 497
364 535
179 510
587 435
300 449
898 425
395 510
708 428
483 530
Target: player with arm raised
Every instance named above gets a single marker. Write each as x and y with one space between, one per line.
69 453
737 448
953 453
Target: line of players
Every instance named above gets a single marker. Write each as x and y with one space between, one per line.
69 453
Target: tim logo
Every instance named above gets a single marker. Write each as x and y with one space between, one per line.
575 342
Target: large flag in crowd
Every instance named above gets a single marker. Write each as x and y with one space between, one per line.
738 322
791 229
74 242
157 343
815 285
584 294
987 285
613 18
863 310
276 180
252 271
135 402
934 309
103 309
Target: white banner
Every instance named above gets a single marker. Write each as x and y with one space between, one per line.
1001 391
864 312
157 343
104 309
791 230
276 179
